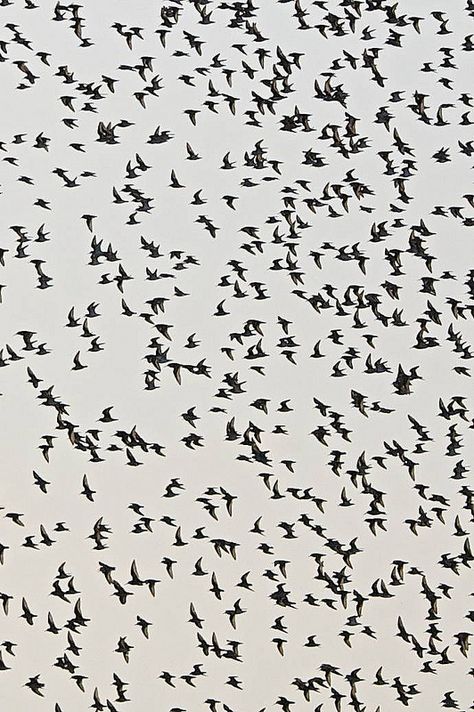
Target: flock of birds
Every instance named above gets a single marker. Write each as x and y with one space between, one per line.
237 320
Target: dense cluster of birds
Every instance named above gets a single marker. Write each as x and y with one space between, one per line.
236 333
